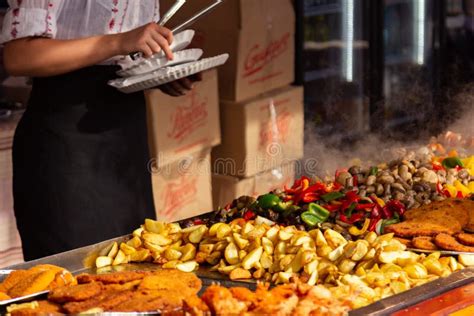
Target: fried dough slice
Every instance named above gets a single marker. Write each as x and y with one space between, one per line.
155 300
105 301
188 284
13 278
43 308
37 282
465 239
414 228
436 211
75 293
115 277
448 242
406 242
424 242
4 296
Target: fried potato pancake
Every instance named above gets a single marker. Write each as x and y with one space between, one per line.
465 239
188 284
115 277
404 241
44 308
4 296
448 242
424 242
37 282
409 229
436 211
107 300
75 293
13 278
155 300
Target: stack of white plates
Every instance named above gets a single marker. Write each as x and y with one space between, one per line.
145 73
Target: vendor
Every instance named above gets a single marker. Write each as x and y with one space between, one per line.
80 151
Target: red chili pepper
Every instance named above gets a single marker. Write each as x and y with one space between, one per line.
396 206
332 207
376 212
355 180
437 167
386 212
353 219
373 223
365 206
249 215
439 187
198 221
351 196
309 197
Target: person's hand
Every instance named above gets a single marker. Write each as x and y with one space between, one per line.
180 87
148 39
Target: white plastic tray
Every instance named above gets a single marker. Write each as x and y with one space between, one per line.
165 75
155 62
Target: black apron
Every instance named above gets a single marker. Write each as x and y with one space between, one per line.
80 156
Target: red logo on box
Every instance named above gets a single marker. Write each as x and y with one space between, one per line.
275 131
179 193
258 57
188 117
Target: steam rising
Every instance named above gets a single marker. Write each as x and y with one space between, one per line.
331 153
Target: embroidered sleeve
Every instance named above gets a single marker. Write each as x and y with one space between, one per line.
26 18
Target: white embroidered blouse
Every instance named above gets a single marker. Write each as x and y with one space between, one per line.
71 19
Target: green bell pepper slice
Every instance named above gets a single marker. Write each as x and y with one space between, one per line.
452 162
331 196
268 201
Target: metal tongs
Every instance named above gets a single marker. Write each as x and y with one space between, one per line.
172 11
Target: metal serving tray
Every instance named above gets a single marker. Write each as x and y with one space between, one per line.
82 260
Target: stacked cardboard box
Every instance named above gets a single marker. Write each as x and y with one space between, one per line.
261 114
182 131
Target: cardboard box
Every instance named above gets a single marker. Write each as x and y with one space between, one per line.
183 189
179 126
260 134
227 188
258 35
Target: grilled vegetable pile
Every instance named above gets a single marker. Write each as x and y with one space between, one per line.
367 198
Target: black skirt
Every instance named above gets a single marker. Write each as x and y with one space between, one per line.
80 163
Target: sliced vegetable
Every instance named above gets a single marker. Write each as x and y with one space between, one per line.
319 211
373 171
268 201
332 196
452 162
357 232
311 219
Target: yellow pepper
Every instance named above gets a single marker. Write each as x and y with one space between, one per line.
354 231
380 202
470 186
462 188
451 189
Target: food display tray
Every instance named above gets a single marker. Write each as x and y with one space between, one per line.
82 260
442 252
167 74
